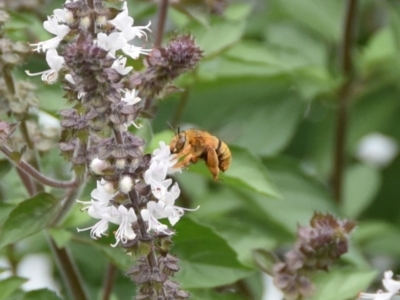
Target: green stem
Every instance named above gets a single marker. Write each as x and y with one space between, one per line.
108 281
69 271
162 17
35 174
343 99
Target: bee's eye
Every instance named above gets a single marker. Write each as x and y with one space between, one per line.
181 143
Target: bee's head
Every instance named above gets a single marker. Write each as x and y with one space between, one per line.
178 142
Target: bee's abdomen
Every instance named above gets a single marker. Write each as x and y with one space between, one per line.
224 156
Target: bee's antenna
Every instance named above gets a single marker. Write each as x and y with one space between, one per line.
179 130
172 127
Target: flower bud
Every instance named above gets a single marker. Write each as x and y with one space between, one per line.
126 184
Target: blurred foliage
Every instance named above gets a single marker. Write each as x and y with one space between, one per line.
268 87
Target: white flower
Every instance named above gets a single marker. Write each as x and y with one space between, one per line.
124 23
98 208
161 210
124 217
98 165
131 97
134 51
116 41
112 42
68 77
101 227
100 193
153 223
63 15
125 184
392 287
377 149
52 26
55 63
119 66
163 154
161 164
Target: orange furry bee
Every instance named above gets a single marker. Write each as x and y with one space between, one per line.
192 144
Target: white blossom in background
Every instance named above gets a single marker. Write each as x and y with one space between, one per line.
377 149
47 121
392 288
38 270
271 292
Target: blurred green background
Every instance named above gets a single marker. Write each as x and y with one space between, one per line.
268 86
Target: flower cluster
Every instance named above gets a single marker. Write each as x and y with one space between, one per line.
317 248
162 204
133 189
113 35
163 190
392 287
164 65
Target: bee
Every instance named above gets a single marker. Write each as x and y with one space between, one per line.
192 144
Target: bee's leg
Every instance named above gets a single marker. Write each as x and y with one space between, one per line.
185 157
212 162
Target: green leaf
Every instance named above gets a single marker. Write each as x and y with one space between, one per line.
238 11
246 171
360 187
321 17
5 166
9 286
265 260
206 260
47 94
378 237
302 195
265 133
295 47
244 233
341 284
163 136
28 217
39 295
115 255
190 12
212 295
60 236
5 210
223 67
220 36
380 47
253 52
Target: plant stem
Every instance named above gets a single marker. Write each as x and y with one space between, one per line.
33 187
151 258
69 272
108 281
343 99
28 169
162 17
68 202
181 106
